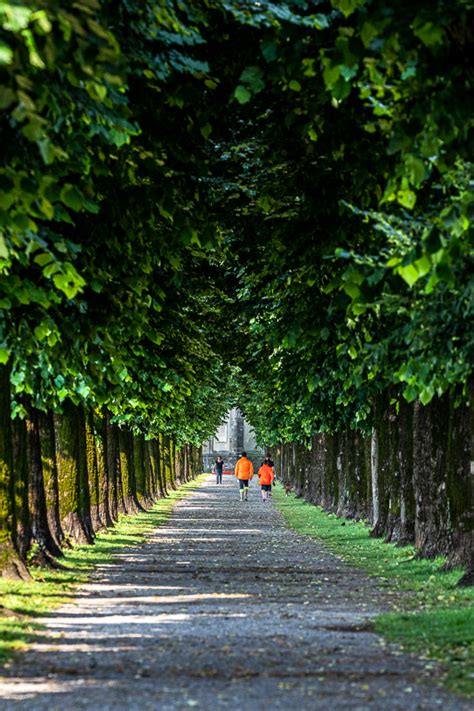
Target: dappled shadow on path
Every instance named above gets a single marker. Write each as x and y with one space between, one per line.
221 608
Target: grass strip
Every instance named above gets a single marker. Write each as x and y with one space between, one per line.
23 603
430 615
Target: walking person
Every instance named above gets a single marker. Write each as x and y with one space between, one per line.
218 467
266 476
244 473
271 463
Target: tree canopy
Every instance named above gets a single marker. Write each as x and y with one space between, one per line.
206 203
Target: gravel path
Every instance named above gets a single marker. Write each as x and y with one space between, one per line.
222 608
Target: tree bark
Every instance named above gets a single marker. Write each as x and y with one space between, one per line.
50 475
113 466
24 535
127 467
37 497
139 455
374 475
93 472
405 464
159 468
429 477
72 474
11 563
460 485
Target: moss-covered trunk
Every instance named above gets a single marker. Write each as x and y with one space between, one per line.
37 497
159 468
127 467
24 535
50 475
186 463
93 472
139 456
113 465
11 563
74 504
100 432
152 468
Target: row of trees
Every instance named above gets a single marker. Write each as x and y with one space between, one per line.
108 380
351 244
410 477
72 472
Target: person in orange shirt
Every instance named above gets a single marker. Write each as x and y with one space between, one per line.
244 473
266 476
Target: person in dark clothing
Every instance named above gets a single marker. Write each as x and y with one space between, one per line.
218 467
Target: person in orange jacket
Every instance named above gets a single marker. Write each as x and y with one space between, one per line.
244 473
266 476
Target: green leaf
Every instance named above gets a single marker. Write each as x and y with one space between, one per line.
252 77
242 94
6 54
352 290
67 285
7 97
430 34
206 130
268 48
4 252
347 7
407 198
4 355
427 394
409 273
42 331
72 197
294 85
96 91
321 22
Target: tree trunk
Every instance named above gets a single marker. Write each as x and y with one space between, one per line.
113 466
186 462
152 468
139 454
93 472
159 468
405 465
429 477
72 474
345 466
24 535
11 563
37 497
50 475
331 475
460 485
100 431
127 467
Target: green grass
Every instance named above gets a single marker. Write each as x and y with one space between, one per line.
24 603
430 615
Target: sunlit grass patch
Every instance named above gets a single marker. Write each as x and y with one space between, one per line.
23 603
431 615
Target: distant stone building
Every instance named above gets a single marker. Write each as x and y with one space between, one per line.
232 437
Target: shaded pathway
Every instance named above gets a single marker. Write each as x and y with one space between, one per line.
222 608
